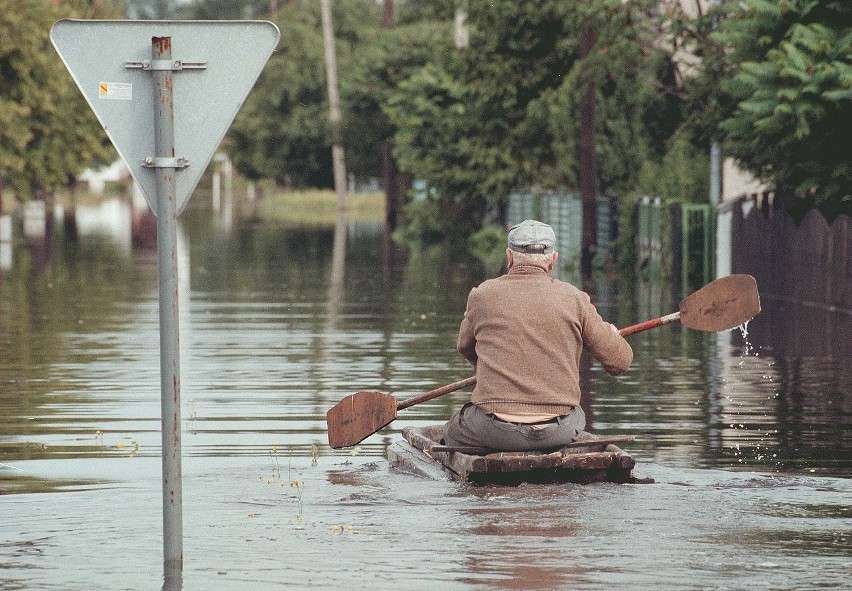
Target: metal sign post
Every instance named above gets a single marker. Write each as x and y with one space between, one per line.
165 165
159 123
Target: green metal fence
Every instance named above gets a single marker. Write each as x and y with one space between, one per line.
696 245
678 238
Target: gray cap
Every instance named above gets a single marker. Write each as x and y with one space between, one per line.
531 236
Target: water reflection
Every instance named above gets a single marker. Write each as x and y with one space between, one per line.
112 219
275 332
280 323
505 549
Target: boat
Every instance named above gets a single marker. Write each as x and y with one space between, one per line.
589 459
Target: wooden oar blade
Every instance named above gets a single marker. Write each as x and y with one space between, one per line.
358 416
723 304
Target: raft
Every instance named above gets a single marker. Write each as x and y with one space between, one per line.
589 459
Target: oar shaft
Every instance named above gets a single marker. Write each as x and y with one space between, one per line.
720 305
436 393
649 324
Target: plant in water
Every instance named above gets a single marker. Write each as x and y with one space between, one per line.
134 447
297 484
276 468
339 528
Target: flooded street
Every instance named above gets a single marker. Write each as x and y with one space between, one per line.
748 436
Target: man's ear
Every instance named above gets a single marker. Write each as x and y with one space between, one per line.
553 261
510 258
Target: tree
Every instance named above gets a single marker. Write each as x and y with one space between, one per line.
464 119
505 113
790 84
222 9
282 132
53 135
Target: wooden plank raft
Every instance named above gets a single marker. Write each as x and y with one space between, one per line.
589 459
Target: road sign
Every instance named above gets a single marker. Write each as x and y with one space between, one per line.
214 66
166 93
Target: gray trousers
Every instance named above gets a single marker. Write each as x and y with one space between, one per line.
470 426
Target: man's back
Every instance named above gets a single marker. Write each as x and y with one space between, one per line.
525 332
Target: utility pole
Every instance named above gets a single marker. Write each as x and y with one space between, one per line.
337 157
338 256
462 33
715 149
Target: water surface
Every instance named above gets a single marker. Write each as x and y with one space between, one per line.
748 438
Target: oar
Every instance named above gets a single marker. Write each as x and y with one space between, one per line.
720 305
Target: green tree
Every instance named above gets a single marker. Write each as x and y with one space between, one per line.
790 84
388 60
26 84
282 132
223 9
504 113
52 135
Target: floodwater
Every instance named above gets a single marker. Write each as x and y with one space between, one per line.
748 438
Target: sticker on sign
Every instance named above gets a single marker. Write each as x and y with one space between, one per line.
116 91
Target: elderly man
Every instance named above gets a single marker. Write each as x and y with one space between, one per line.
523 333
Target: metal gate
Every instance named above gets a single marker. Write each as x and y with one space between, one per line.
677 241
696 245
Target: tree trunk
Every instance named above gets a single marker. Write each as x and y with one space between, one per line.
588 162
389 170
387 20
391 183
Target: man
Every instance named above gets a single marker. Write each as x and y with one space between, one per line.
523 333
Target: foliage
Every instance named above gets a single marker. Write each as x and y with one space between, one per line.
424 224
49 135
791 83
461 125
408 12
209 9
504 113
680 176
283 131
392 57
489 244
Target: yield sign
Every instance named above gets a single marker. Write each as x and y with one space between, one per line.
214 66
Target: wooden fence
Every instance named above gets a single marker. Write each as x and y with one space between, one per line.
805 260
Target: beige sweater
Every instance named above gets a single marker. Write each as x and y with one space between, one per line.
524 332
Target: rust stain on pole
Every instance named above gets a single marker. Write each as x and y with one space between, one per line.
162 44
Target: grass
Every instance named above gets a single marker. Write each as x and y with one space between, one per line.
317 207
309 207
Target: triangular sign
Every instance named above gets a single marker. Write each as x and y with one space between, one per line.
223 60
